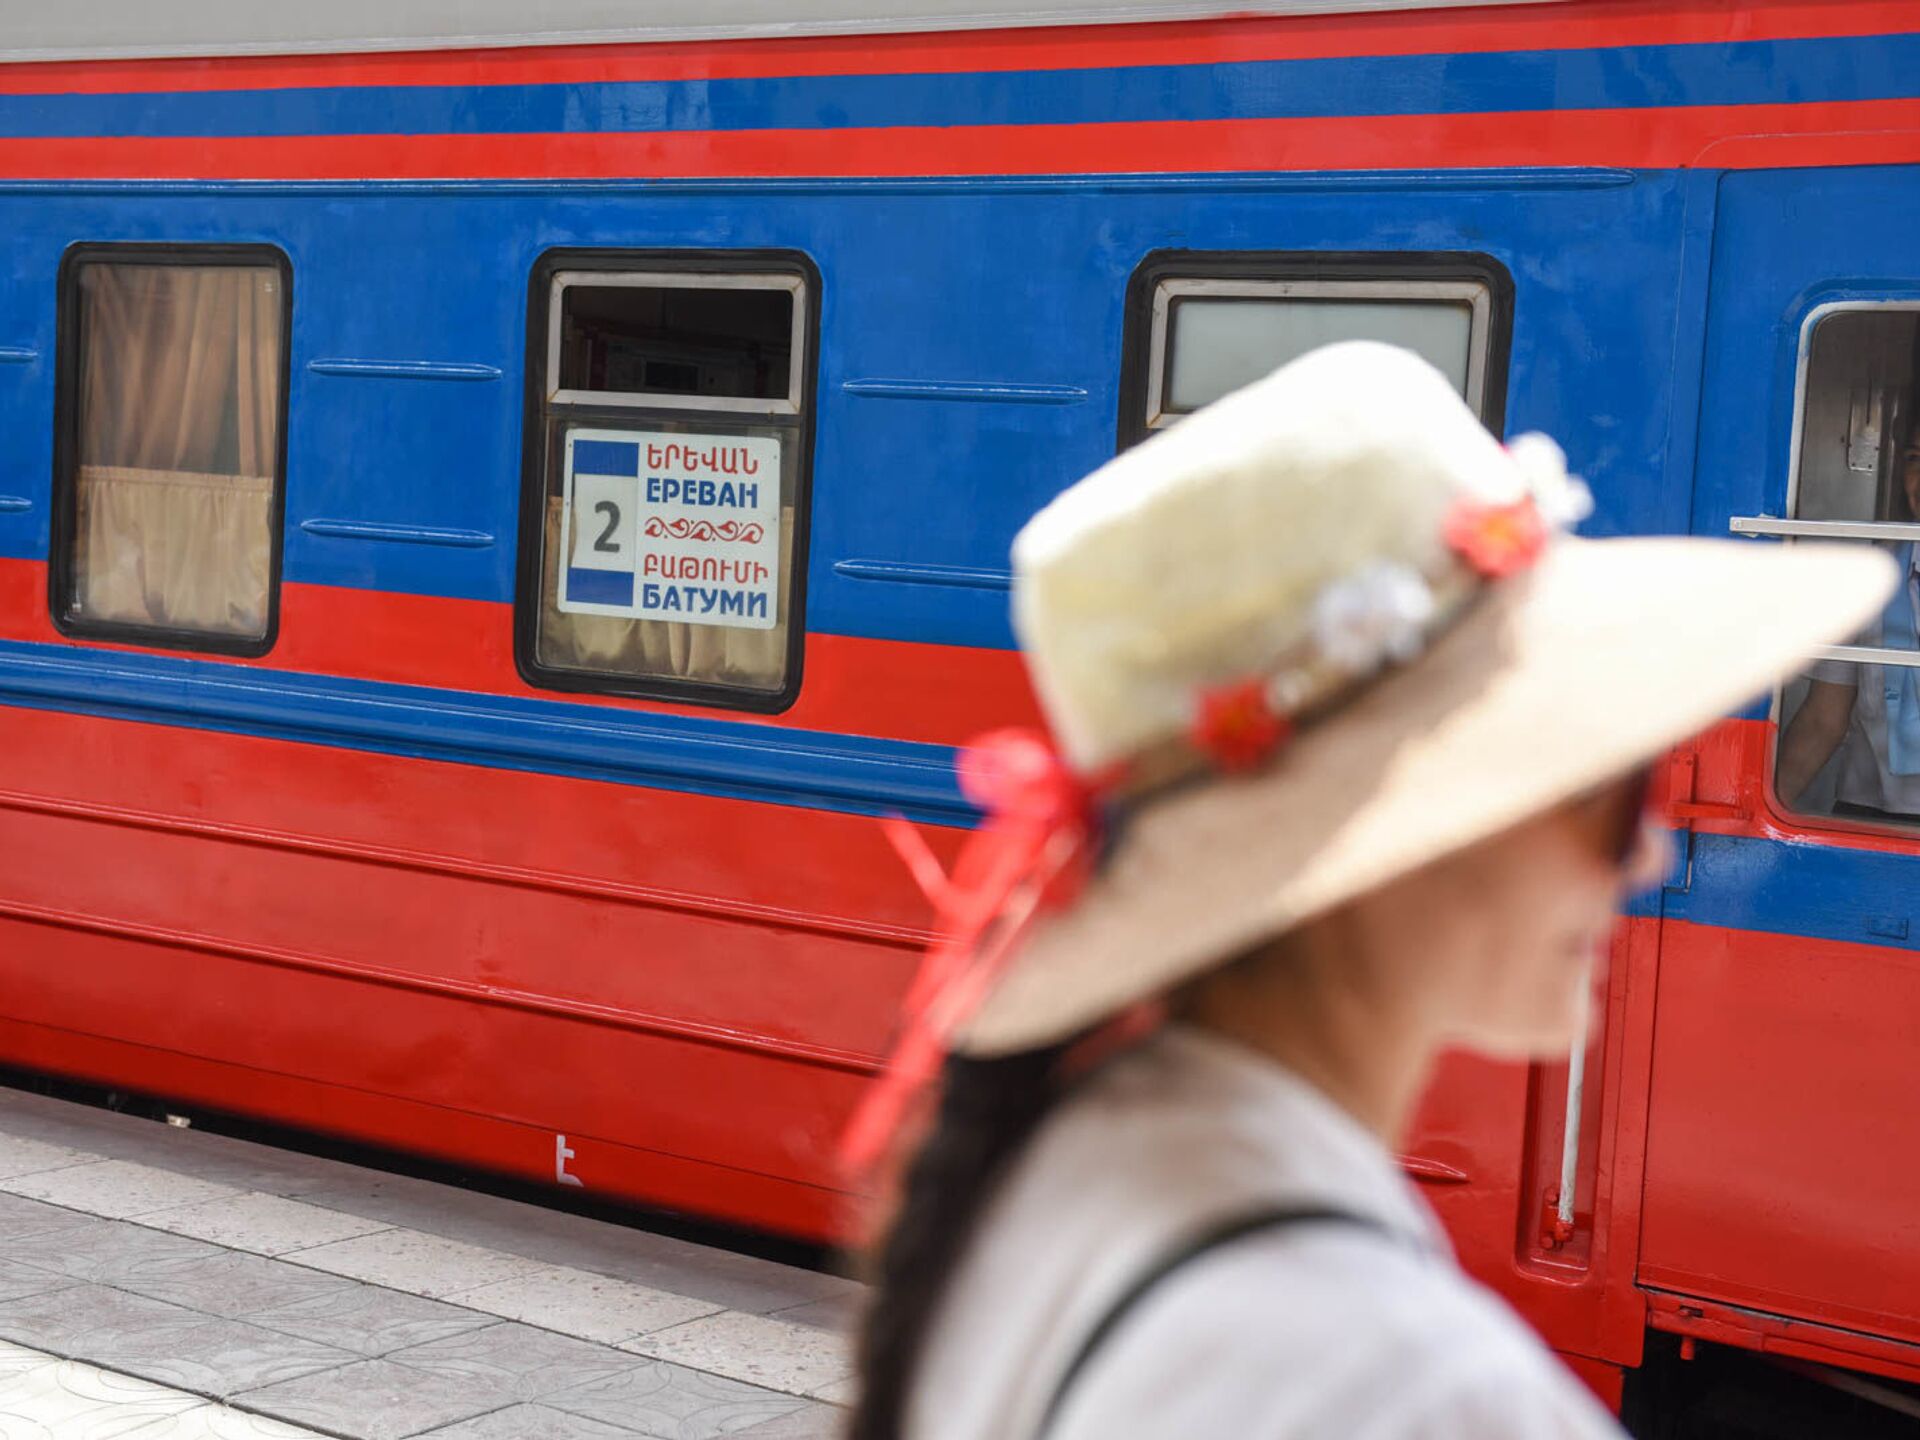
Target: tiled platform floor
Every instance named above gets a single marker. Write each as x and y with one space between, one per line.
43 1397
196 1282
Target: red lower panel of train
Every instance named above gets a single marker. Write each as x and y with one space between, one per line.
691 989
676 998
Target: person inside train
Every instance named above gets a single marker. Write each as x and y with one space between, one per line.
1869 714
1347 765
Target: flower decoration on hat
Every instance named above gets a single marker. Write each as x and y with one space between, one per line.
1379 613
1563 500
1499 538
1236 726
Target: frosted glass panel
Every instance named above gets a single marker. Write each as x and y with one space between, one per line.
1219 345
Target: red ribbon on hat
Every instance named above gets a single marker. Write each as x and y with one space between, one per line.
1035 849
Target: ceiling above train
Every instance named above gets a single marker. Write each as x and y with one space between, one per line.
98 29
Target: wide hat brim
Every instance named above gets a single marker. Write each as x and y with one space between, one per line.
1602 656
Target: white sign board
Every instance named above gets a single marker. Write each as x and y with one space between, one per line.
665 526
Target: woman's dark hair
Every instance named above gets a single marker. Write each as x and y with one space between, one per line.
987 1111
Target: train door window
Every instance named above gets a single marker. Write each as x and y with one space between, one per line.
669 438
170 449
1849 739
1201 325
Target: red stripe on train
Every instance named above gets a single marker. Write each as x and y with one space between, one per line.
455 959
1783 1148
892 689
1838 133
777 867
1733 777
1600 24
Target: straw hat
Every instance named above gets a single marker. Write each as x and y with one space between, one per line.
1424 673
1316 636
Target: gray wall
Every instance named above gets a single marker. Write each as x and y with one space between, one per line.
49 29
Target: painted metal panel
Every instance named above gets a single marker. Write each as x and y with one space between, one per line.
689 988
1783 1148
442 271
1756 72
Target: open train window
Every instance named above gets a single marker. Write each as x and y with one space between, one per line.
170 424
1849 737
669 441
1201 324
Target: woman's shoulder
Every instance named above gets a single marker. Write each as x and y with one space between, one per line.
1332 1332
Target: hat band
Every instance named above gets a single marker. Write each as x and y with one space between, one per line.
1238 726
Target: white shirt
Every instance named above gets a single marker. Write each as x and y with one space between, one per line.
1865 775
1314 1330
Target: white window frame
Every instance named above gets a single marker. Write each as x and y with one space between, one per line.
794 285
1475 293
1789 529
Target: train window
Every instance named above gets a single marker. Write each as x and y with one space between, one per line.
669 440
171 417
1849 737
1203 324
707 341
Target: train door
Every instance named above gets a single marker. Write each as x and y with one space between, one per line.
1783 1138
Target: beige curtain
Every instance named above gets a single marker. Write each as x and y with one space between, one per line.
179 437
714 654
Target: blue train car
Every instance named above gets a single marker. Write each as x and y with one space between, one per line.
488 518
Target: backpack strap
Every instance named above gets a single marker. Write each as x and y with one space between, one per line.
1183 1252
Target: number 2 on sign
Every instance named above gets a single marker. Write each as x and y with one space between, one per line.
606 544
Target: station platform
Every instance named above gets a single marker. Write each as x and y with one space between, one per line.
158 1281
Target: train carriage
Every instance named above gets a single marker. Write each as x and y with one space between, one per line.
488 516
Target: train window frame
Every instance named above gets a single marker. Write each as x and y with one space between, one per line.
1164 276
1790 527
63 531
793 285
764 268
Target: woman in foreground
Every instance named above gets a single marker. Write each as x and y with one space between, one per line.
1351 769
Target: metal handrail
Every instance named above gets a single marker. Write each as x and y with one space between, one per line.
1767 525
1825 529
1871 655
1570 1128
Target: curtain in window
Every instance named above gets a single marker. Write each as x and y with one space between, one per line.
715 654
179 438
